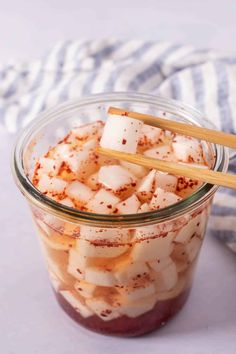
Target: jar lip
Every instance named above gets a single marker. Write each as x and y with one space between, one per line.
75 215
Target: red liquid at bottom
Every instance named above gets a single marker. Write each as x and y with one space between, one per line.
126 326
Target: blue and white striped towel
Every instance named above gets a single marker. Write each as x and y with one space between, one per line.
202 78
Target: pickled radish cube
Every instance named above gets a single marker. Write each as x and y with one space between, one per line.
136 293
99 276
160 264
88 249
103 309
144 208
193 227
67 202
92 182
146 232
147 187
127 271
62 151
103 202
163 152
51 184
76 303
162 199
165 181
77 264
83 163
116 177
138 307
121 133
49 166
187 186
79 192
89 130
137 170
129 205
167 278
85 289
153 248
187 252
149 135
109 235
187 149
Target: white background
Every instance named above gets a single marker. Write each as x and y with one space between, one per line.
30 320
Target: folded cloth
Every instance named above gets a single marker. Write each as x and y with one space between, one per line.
202 78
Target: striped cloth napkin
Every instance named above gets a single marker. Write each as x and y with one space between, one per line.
202 78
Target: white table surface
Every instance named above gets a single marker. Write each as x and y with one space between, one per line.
30 320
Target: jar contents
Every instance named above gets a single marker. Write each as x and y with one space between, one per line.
120 280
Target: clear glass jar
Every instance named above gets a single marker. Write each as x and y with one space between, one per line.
116 274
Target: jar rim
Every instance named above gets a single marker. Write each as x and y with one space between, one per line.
74 215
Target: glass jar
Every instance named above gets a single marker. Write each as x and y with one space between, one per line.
116 274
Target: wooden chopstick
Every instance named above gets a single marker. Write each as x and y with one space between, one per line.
210 135
208 176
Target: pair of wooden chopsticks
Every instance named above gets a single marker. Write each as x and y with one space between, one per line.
213 136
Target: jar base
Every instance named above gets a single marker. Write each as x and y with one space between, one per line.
125 326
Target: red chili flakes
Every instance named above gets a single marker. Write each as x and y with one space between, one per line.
124 141
133 184
109 206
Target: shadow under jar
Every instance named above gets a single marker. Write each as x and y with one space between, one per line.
116 274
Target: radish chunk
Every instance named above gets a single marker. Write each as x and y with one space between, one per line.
162 199
166 181
187 149
103 202
116 178
129 205
79 192
121 133
163 152
147 187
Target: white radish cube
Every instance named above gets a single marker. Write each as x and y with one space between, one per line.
165 181
167 278
154 248
149 136
129 205
162 199
160 264
62 152
85 289
147 187
67 202
100 276
103 309
116 178
144 208
194 226
173 293
187 149
83 163
51 184
76 303
92 182
137 170
187 252
187 186
103 202
163 152
135 293
126 271
79 192
121 133
88 249
49 166
108 235
77 264
138 307
88 131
